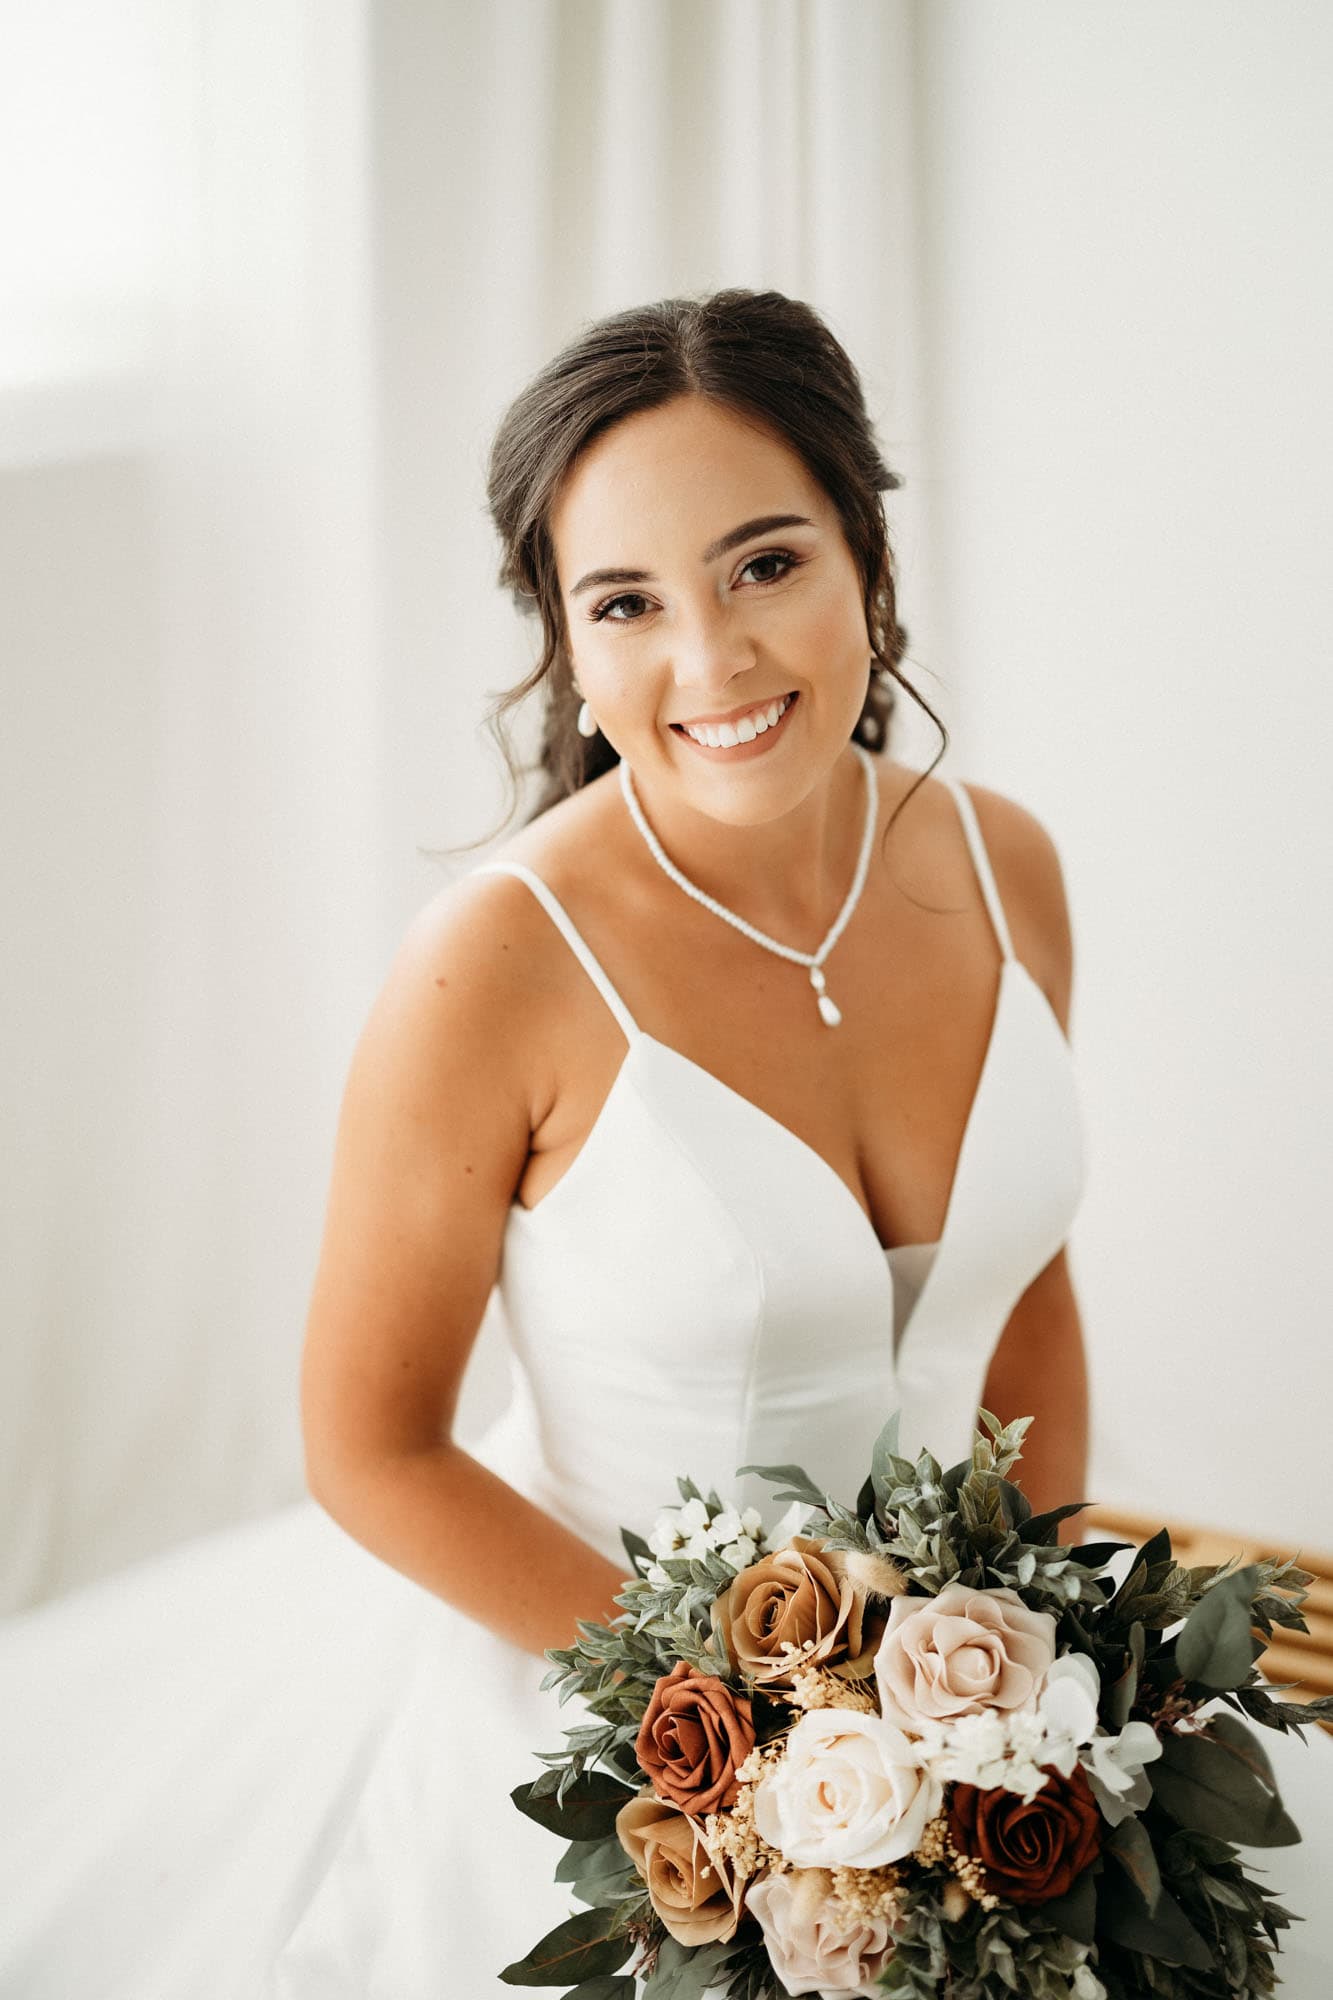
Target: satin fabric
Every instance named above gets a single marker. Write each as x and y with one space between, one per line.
268 1765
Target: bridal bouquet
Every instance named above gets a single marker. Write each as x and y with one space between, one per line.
915 1747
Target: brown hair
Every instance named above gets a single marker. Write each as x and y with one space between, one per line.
772 360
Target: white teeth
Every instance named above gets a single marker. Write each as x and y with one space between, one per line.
725 735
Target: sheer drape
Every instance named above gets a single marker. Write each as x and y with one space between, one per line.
251 621
270 273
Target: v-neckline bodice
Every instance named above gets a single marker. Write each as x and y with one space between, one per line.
1012 972
1008 967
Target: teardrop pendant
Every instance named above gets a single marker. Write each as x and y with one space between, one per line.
828 1011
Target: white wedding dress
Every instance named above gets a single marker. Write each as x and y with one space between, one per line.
267 1767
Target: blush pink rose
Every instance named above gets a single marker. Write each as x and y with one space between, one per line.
813 1946
959 1653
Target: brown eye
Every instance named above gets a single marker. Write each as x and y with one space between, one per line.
782 556
599 611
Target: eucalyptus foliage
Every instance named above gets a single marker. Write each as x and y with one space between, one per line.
1165 1910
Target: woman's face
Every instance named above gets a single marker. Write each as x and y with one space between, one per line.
734 589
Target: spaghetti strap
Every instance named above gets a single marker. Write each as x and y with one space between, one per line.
563 922
981 862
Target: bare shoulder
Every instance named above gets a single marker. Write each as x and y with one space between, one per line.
482 975
1029 876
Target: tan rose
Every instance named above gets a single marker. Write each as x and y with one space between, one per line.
695 1892
960 1652
694 1733
798 1607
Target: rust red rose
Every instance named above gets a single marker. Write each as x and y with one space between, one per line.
1030 1852
694 1733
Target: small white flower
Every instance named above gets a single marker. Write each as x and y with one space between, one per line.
740 1554
725 1527
1028 1733
665 1537
973 1750
658 1577
698 1545
1115 1768
693 1517
752 1523
1024 1777
789 1524
1068 1697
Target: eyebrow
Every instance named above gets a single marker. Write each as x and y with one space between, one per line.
763 524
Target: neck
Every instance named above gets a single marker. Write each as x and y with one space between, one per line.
788 876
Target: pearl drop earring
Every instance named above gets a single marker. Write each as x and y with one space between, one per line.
586 725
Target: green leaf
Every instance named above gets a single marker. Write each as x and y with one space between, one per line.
1118 1695
586 1812
1218 1783
606 1986
580 1854
636 1549
583 1946
1166 1934
1157 1549
886 1444
1095 1555
1075 1912
1129 1844
1037 1528
1214 1645
888 1469
597 1871
793 1477
684 1972
1283 1715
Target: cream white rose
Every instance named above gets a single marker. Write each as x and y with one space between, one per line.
848 1792
960 1652
813 1945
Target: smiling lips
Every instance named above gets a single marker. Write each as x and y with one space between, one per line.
744 728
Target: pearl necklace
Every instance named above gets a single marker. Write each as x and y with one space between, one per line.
813 959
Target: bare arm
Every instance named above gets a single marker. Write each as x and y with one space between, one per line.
433 1135
1039 1367
1039 1370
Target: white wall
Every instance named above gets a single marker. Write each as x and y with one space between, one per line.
1129 312
292 261
189 753
617 151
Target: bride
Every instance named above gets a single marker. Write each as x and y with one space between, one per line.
739 1080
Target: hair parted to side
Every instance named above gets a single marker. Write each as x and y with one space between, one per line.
769 358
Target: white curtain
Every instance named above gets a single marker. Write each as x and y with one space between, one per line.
193 861
271 273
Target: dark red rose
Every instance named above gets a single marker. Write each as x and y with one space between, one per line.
1030 1852
694 1733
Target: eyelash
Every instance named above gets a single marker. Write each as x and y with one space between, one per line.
789 561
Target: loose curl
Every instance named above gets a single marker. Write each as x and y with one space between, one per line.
769 358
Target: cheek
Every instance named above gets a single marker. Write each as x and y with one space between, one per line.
836 612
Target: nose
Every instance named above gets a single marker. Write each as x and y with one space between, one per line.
709 648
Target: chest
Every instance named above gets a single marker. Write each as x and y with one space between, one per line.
884 1099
